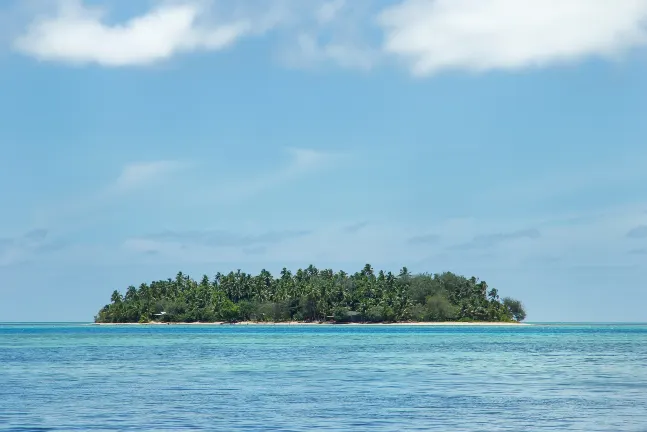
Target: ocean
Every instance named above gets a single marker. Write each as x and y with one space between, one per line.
75 377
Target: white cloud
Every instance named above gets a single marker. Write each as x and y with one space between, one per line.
427 35
316 31
479 35
137 175
79 34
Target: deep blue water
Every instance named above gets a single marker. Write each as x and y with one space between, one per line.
69 377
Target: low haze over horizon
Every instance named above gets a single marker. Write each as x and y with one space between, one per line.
140 139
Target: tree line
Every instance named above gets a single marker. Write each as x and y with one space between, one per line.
312 295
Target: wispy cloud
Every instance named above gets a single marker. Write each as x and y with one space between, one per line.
639 232
35 236
356 227
247 243
301 162
148 179
424 239
137 175
481 35
138 179
221 238
596 240
17 249
309 52
255 250
492 240
640 251
339 35
328 11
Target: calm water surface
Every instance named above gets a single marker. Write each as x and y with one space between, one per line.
70 377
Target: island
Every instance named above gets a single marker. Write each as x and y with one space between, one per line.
314 296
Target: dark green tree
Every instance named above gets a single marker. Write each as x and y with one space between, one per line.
313 294
515 308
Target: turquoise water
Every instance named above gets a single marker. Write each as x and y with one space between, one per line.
72 377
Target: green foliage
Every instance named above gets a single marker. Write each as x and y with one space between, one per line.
515 308
312 295
271 311
341 314
374 314
229 311
438 308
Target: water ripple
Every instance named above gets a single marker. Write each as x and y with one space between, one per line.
277 378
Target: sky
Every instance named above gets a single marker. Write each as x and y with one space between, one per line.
502 139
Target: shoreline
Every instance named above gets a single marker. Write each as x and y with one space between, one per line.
301 323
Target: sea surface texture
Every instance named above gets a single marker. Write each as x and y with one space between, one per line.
71 377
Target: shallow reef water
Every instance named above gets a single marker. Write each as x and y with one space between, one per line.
69 377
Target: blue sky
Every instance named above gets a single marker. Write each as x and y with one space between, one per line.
504 139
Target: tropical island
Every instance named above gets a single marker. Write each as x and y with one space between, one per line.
312 295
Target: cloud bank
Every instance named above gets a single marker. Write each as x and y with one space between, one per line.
79 34
426 36
509 34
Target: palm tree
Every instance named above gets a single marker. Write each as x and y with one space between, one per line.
116 297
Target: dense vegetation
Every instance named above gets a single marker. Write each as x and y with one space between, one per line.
313 295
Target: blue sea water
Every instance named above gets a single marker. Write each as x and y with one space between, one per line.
71 377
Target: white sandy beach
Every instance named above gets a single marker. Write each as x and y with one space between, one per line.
299 323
